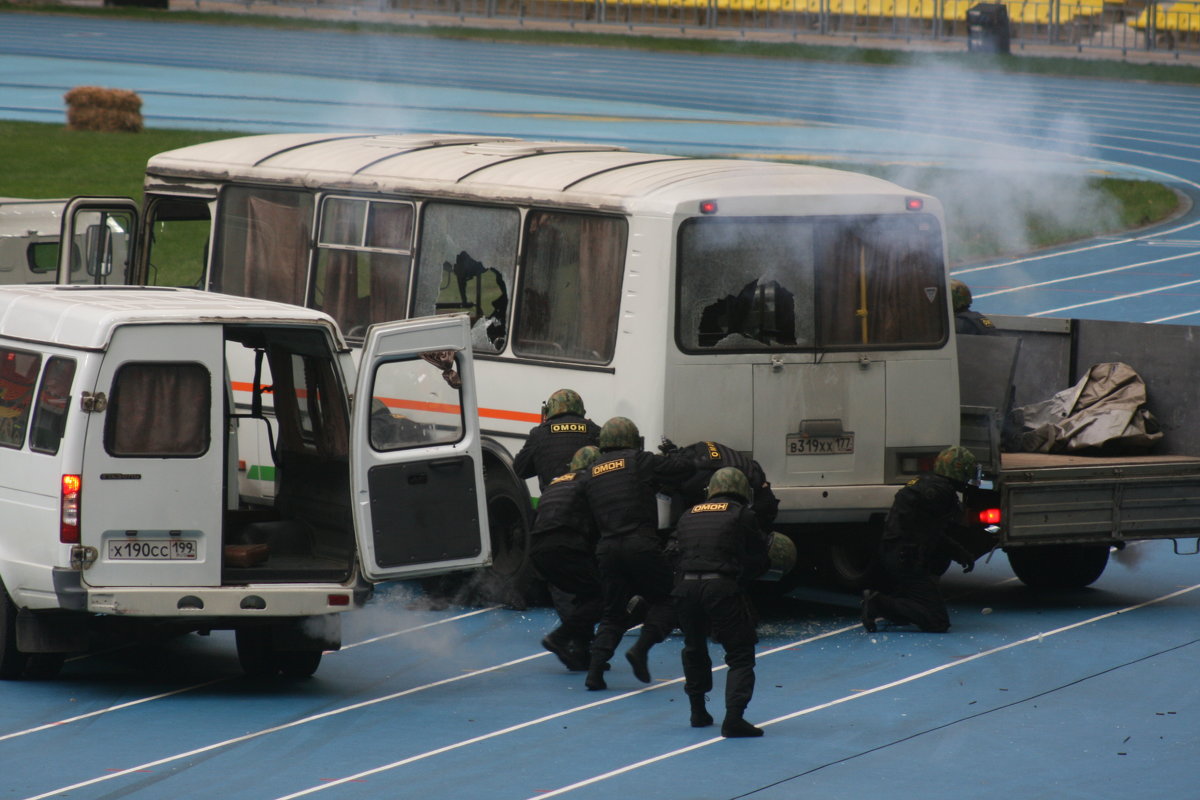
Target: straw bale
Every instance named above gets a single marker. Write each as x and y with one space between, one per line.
95 108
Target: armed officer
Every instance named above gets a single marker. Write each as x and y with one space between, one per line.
965 320
551 445
919 536
562 548
719 548
620 489
709 457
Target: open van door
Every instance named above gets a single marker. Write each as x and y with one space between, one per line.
416 463
97 240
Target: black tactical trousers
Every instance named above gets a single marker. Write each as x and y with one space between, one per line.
572 571
632 565
910 594
716 606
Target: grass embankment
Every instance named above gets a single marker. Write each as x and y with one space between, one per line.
44 160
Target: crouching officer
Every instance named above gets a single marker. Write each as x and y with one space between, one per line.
718 547
620 489
918 538
563 550
712 456
551 445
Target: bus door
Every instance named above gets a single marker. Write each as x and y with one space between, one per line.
821 423
416 464
97 241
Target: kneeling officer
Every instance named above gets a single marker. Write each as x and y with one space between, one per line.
719 548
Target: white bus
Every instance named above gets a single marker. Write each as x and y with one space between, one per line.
795 313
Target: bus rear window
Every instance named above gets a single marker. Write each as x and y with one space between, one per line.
762 283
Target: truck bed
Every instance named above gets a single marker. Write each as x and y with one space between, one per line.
1020 461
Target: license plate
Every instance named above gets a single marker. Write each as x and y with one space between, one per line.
152 550
799 445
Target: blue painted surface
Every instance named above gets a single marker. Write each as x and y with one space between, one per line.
1088 694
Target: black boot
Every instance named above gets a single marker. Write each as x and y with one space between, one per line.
595 677
638 653
734 727
700 716
560 645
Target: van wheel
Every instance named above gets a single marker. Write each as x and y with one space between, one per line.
510 577
298 663
255 652
1059 567
12 660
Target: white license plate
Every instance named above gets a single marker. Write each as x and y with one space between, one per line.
152 550
798 445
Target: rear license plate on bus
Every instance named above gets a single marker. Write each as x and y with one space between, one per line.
799 445
152 550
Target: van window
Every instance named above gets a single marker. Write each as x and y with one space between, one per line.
262 244
18 374
415 402
364 258
53 403
570 286
467 258
158 410
815 282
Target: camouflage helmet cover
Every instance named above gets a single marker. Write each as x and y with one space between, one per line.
729 480
956 463
618 433
564 401
960 295
584 457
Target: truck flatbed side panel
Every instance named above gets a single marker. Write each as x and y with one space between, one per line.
1014 462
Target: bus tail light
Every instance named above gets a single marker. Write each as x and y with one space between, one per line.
68 528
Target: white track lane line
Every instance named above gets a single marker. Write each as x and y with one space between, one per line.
864 693
1087 275
120 707
1115 298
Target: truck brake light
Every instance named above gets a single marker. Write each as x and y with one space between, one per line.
68 529
990 516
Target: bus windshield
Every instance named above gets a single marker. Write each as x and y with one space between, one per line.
810 283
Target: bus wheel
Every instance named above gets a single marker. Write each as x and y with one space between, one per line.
509 579
1059 566
12 660
850 554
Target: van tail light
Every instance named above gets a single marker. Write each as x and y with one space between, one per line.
68 526
989 516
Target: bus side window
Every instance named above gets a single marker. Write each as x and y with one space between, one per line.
468 256
570 286
53 404
262 243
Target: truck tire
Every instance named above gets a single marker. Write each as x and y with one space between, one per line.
1059 567
12 660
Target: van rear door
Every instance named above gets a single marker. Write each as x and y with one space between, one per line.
97 241
151 497
416 468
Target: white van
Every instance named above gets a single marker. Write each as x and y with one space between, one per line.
119 470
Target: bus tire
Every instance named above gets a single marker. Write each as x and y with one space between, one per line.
1059 567
850 554
12 660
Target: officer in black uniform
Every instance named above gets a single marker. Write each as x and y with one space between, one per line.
965 320
718 547
548 450
712 456
918 538
621 490
562 548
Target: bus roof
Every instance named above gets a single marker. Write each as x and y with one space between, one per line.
596 175
85 316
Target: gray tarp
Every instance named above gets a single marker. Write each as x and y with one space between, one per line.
1105 411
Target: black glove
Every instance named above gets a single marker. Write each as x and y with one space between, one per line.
666 446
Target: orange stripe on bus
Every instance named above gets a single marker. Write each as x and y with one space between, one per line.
441 408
